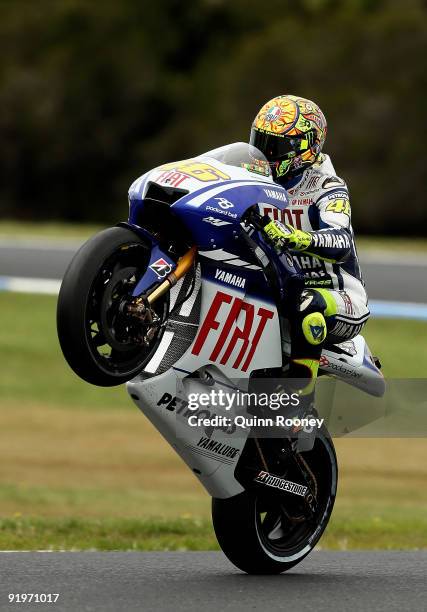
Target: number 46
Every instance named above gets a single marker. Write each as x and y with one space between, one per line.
339 206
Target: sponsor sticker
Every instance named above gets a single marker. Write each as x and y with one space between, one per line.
224 203
282 484
172 178
329 239
230 278
275 194
215 221
293 217
161 268
218 211
347 329
252 322
217 448
301 201
274 113
343 370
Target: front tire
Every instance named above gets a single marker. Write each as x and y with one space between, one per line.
256 534
98 340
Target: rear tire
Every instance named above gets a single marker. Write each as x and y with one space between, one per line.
95 336
256 537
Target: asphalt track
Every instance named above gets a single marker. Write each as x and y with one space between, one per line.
387 276
196 581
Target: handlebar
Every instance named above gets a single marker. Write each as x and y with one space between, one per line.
258 222
253 217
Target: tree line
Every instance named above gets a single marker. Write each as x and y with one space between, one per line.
93 94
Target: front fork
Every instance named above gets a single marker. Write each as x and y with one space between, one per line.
140 307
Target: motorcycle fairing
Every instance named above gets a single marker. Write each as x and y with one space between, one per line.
212 212
212 227
213 469
238 323
212 207
352 362
170 414
159 266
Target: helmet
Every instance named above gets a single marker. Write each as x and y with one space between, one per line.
290 131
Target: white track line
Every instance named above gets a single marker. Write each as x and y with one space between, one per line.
16 284
40 245
392 258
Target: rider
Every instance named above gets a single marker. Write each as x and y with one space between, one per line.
333 306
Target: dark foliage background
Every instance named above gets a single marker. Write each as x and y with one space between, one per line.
94 93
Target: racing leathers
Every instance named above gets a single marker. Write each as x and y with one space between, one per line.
316 227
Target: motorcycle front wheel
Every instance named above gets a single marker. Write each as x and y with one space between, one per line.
99 340
263 536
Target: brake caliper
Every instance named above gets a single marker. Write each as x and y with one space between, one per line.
140 309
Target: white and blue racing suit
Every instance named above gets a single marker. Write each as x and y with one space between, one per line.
319 204
332 305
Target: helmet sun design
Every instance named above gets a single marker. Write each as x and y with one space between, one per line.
290 131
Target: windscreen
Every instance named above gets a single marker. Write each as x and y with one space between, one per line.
241 155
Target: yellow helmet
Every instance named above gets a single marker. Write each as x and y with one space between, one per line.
290 131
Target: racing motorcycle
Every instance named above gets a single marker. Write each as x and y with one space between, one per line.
185 298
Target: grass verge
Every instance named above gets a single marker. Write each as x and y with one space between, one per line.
34 370
385 531
82 469
106 534
48 229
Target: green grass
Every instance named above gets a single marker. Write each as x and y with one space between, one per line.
35 370
107 534
48 229
82 469
391 529
397 343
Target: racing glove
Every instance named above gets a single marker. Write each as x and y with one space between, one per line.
283 236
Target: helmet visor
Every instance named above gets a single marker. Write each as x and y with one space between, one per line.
274 146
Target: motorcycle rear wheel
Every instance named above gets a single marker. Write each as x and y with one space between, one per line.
98 339
258 538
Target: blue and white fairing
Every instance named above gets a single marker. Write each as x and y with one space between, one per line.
209 195
219 187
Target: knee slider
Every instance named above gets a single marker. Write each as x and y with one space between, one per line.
312 307
314 328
